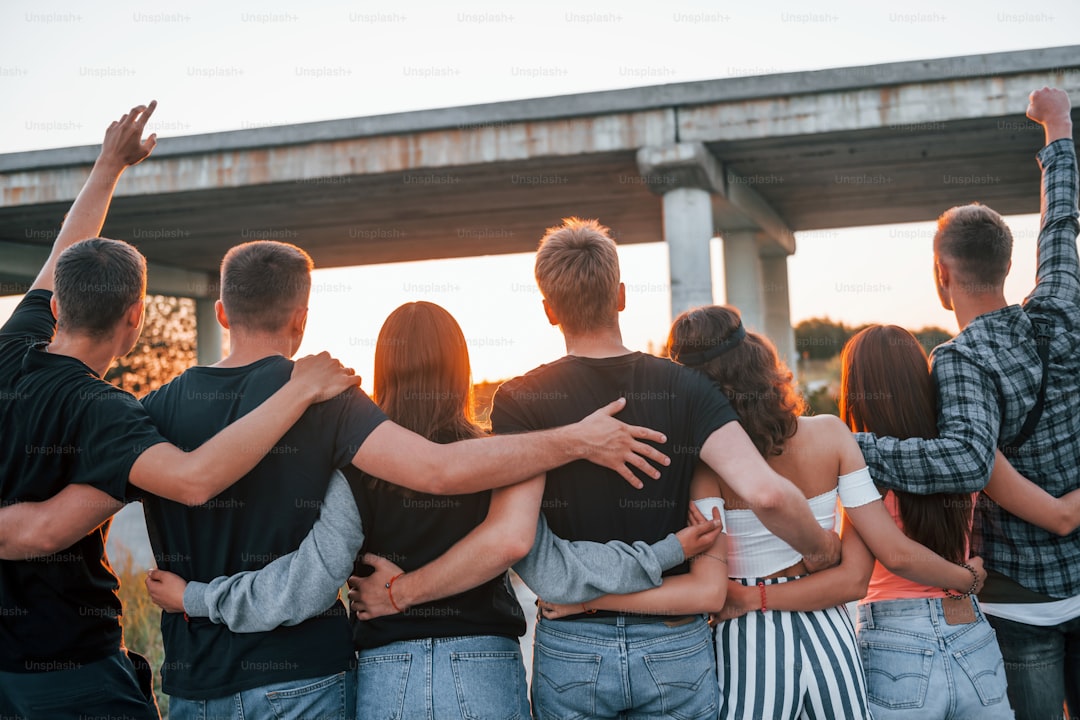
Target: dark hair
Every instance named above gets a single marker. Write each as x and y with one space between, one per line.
979 244
263 282
886 389
757 383
96 281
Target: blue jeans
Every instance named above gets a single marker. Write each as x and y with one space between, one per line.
117 687
919 666
1043 667
593 670
479 677
327 698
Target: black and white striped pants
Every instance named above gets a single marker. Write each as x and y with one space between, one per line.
786 665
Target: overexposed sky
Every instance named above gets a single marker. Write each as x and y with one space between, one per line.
67 68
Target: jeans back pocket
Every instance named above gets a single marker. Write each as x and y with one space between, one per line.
490 685
380 686
564 683
982 663
897 676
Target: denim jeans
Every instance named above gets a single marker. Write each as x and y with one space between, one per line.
593 670
478 677
1043 667
327 698
117 687
919 666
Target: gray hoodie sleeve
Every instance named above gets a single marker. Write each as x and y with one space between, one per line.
562 571
294 587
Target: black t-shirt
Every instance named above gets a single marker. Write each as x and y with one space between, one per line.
583 501
411 529
262 517
62 424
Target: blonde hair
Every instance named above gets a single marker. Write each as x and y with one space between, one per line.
577 269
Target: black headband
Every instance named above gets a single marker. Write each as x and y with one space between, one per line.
700 358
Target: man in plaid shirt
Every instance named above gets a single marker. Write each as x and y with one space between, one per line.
988 380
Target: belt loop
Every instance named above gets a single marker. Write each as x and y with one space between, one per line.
868 614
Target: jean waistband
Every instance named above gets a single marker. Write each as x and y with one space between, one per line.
669 620
908 607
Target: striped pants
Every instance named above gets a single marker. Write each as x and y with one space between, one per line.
780 665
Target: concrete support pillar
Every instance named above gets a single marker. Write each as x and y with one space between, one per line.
208 340
774 272
688 230
686 175
743 277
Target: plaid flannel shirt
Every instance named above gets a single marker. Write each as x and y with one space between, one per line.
988 379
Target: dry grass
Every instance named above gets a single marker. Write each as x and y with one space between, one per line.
142 621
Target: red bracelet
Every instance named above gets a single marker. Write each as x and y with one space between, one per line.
390 591
761 589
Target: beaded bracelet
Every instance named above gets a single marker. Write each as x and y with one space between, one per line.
761 589
970 591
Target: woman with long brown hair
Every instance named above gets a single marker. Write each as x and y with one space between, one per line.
926 653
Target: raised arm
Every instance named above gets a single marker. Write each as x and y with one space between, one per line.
775 501
1058 273
123 147
289 590
835 586
405 458
1029 502
197 476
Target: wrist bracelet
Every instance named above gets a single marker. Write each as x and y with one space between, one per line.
390 592
761 589
970 590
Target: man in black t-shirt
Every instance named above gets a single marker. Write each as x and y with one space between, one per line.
598 657
71 443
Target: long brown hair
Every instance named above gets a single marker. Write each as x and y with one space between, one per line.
757 383
886 389
423 380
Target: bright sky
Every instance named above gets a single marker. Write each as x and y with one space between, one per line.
68 67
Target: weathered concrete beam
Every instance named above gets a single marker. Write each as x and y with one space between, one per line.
320 162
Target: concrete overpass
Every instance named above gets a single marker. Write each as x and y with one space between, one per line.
749 159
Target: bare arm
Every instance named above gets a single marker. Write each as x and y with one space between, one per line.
35 529
776 502
1029 502
838 585
194 477
123 147
900 554
405 458
503 538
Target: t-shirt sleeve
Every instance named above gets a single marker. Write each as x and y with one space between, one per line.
114 431
709 408
358 417
507 413
31 319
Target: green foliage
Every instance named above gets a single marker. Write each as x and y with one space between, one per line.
822 338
